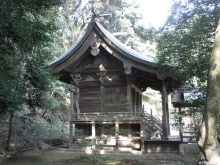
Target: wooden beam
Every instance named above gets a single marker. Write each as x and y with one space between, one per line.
88 70
136 88
133 63
142 127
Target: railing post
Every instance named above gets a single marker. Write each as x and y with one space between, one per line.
142 136
181 137
116 135
151 114
93 129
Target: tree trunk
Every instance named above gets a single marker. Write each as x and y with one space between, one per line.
207 140
7 145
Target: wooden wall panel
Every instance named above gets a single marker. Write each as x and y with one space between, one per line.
89 100
116 90
116 94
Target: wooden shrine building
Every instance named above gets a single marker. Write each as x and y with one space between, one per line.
107 79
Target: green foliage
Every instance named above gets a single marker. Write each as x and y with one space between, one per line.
126 19
34 132
186 40
25 38
193 153
185 43
25 31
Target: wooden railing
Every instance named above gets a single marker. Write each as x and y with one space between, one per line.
152 119
155 121
108 114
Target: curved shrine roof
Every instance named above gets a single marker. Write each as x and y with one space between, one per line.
142 64
126 50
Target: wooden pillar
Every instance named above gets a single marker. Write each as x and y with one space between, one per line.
93 135
93 129
70 134
116 135
151 114
168 115
76 79
72 104
129 98
180 119
165 117
140 103
142 136
77 103
142 106
72 101
128 71
102 95
102 129
135 101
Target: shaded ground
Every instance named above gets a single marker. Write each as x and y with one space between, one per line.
65 157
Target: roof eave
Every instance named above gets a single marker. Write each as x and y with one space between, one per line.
77 45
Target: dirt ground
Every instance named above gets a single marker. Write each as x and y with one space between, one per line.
65 157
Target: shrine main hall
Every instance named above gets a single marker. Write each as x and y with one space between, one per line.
107 80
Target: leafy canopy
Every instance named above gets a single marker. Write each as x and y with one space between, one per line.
25 31
186 39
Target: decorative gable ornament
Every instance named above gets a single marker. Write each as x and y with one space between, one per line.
95 47
102 76
76 78
127 68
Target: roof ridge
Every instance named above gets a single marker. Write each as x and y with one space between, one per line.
124 47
